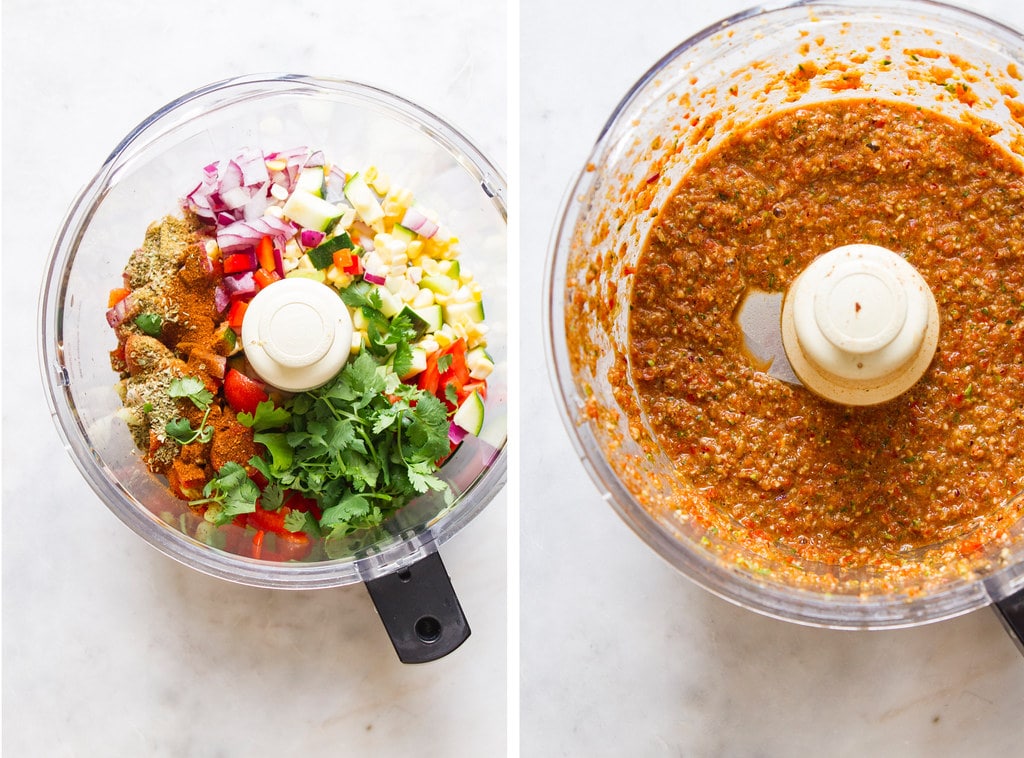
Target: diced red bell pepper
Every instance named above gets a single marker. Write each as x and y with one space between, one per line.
264 277
353 265
342 259
257 545
455 375
237 263
236 314
265 254
242 393
478 386
117 295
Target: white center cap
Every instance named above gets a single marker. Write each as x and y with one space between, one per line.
297 334
861 305
859 325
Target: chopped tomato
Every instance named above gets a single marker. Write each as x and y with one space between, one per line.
242 393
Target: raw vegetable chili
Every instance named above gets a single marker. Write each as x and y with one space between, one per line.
290 472
843 486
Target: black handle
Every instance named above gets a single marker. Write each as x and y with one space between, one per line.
1010 610
420 611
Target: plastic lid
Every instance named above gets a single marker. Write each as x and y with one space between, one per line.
297 334
860 325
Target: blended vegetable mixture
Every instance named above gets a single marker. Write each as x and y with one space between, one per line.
840 484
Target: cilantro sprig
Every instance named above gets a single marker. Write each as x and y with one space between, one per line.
180 429
363 445
230 493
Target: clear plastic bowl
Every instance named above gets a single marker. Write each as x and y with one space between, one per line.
143 180
732 73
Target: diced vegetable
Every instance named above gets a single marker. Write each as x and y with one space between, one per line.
470 415
311 211
363 199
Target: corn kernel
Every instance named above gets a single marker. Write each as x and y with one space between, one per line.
423 298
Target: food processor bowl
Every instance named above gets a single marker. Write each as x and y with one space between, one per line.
143 180
731 74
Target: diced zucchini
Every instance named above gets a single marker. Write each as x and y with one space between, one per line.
358 192
226 342
311 180
464 314
390 303
479 362
419 324
419 362
311 211
442 284
470 415
306 273
322 256
433 315
450 269
402 233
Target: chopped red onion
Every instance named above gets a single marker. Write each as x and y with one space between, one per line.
240 285
419 222
311 238
335 185
117 314
221 298
373 278
456 433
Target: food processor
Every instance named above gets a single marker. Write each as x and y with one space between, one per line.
143 180
735 73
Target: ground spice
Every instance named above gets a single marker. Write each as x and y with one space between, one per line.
172 277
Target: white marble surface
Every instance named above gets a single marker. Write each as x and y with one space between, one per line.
109 648
622 655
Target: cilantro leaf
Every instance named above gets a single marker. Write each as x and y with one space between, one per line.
402 360
295 521
363 445
180 430
149 323
230 493
272 497
267 416
193 388
277 445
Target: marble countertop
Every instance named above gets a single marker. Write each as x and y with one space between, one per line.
110 648
621 654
